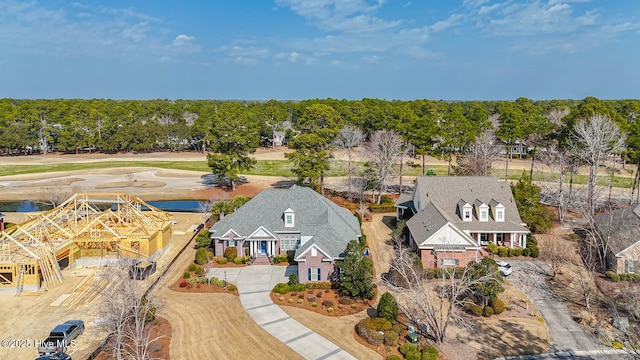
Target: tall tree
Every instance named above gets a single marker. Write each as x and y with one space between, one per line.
595 138
356 273
310 160
234 135
349 137
384 148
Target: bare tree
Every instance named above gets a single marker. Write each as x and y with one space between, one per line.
384 148
565 166
57 194
594 139
556 252
360 185
349 137
129 176
125 312
435 302
478 157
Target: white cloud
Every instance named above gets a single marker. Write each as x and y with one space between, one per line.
294 56
371 59
183 39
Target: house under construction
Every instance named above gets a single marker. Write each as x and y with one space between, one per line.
86 225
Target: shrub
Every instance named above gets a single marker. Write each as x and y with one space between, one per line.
319 294
475 309
492 248
488 311
394 357
397 327
237 260
312 298
314 304
330 310
299 287
199 270
429 353
300 301
293 294
382 208
232 288
192 267
186 275
502 251
526 252
354 306
345 300
293 279
391 338
323 285
340 306
327 303
280 258
281 288
281 298
290 301
380 324
612 276
223 261
510 252
384 199
617 345
201 256
517 252
368 333
301 296
231 253
624 277
183 283
408 348
497 305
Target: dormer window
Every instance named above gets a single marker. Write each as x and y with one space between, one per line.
466 210
482 210
497 210
289 218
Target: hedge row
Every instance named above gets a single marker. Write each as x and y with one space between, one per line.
622 277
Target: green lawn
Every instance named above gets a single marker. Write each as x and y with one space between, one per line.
282 168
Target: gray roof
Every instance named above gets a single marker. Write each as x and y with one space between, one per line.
331 226
620 228
440 197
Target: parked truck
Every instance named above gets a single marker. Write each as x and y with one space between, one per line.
61 337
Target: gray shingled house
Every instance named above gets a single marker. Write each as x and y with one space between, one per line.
451 218
297 220
620 230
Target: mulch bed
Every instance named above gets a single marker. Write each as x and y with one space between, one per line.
321 296
200 288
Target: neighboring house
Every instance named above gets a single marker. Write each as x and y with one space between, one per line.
297 220
452 217
620 231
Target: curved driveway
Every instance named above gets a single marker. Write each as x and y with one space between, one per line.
568 339
254 285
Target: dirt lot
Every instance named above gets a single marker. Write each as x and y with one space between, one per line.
31 316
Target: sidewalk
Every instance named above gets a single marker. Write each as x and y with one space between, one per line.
254 285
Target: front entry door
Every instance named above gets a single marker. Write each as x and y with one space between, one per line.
263 247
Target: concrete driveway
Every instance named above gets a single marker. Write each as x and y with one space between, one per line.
254 285
568 339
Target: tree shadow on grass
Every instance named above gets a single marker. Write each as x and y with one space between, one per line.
283 184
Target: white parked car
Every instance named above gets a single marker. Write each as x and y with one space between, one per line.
504 268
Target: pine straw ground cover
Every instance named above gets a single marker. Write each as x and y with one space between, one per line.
198 284
327 302
158 349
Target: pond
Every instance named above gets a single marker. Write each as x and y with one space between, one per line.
168 205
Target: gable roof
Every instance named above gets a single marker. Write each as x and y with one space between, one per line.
448 192
330 226
620 228
431 222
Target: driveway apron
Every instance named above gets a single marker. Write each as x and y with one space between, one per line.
254 285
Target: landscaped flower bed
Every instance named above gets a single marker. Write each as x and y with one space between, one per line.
323 301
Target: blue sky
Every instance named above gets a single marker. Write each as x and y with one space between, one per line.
304 49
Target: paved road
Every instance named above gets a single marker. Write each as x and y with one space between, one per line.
254 285
568 339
